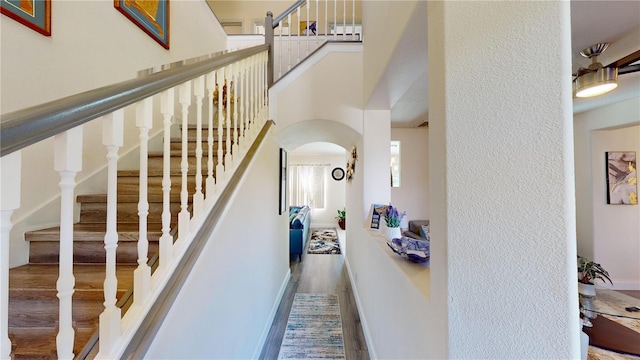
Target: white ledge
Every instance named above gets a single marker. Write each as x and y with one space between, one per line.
419 274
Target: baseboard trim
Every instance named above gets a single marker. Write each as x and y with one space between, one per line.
267 327
363 321
625 285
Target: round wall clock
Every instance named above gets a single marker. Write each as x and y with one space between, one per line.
337 174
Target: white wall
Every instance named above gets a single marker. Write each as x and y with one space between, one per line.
382 40
334 190
412 196
621 114
92 45
226 307
616 228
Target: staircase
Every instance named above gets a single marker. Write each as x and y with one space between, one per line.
33 304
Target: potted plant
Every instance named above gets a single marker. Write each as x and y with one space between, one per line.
392 219
588 272
342 218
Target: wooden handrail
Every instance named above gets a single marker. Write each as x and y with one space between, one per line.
28 126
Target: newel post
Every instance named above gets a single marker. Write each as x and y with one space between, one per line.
268 37
10 166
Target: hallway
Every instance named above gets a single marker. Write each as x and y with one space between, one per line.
320 274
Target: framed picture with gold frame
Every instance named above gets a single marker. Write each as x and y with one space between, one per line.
35 14
152 16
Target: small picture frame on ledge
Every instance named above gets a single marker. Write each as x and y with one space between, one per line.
283 182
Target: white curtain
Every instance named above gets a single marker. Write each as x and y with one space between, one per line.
306 185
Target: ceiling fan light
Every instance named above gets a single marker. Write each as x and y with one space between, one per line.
596 82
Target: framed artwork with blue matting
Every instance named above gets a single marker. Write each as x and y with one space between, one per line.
35 14
152 16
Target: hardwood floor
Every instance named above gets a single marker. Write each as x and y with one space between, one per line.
320 274
633 293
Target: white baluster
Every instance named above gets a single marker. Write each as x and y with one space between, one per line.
112 139
68 162
220 166
317 23
166 239
211 86
326 20
298 34
9 201
236 129
198 197
243 94
263 88
335 19
142 274
251 95
228 157
308 25
289 42
184 217
344 19
279 52
353 20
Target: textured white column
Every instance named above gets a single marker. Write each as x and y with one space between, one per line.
68 162
198 197
166 239
10 166
112 139
502 184
184 217
142 274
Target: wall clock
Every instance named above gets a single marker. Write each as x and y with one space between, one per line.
337 174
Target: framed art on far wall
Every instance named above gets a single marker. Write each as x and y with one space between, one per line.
622 177
152 16
36 14
283 182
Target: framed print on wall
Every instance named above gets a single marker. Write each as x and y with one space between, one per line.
36 14
283 182
152 16
622 177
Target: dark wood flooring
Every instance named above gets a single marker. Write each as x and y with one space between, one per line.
320 274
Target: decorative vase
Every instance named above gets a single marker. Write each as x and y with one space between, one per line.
393 233
587 289
341 223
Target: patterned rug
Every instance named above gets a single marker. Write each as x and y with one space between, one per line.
324 241
314 328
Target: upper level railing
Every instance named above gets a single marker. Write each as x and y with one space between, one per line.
305 26
225 97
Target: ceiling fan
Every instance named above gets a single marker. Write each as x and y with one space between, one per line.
597 79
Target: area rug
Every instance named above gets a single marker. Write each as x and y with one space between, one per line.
314 328
324 241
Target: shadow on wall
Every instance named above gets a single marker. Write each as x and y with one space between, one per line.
309 131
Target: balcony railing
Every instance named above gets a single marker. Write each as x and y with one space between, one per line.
305 26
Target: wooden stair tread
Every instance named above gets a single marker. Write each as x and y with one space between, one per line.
124 197
40 343
87 232
88 276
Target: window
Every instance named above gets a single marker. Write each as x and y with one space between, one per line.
395 164
306 185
